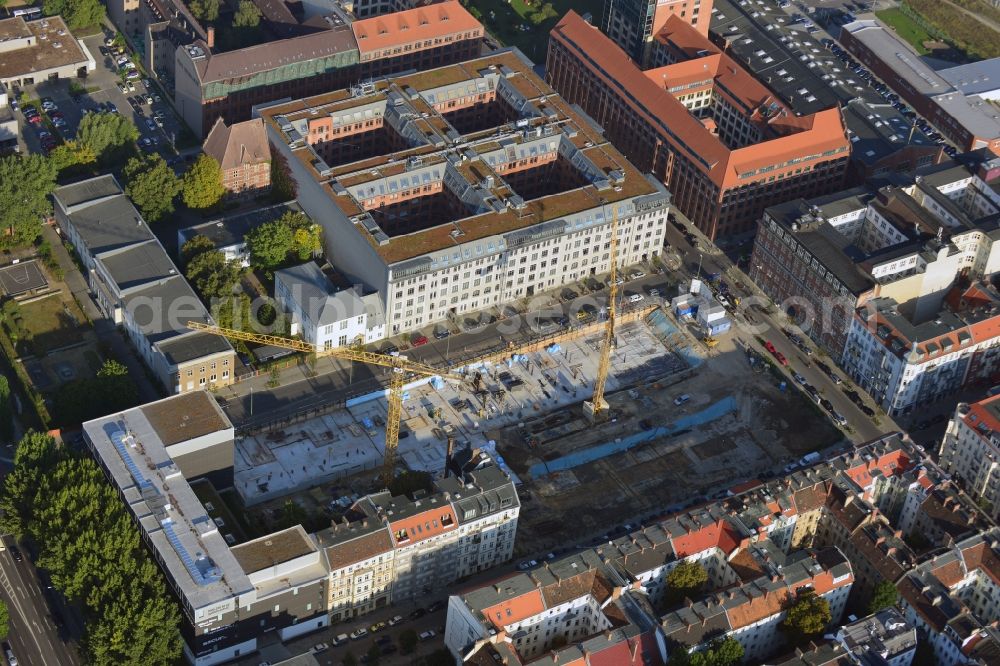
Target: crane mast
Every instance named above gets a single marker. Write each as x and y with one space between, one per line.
598 406
399 366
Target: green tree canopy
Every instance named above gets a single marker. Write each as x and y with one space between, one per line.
152 185
283 185
110 391
103 133
807 616
884 596
77 13
6 411
720 652
269 244
212 275
307 238
35 453
4 620
195 246
203 183
408 640
25 184
685 580
247 15
205 10
70 154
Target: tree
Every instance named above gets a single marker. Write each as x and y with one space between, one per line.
152 185
720 652
205 10
408 641
110 391
307 238
349 659
77 13
70 154
884 596
292 514
283 185
6 411
685 580
4 620
101 132
247 15
269 244
232 312
25 184
374 655
195 246
212 275
807 616
35 453
203 183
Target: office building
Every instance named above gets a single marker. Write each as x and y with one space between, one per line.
335 51
462 188
138 287
958 112
725 146
41 50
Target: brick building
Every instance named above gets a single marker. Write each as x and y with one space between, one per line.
634 24
725 146
244 157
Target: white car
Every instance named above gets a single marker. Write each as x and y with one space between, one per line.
635 298
839 418
681 399
359 633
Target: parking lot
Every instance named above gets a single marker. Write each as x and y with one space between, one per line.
101 89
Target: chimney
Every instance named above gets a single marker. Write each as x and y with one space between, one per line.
211 37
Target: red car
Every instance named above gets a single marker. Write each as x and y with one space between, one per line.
419 340
35 120
769 347
780 358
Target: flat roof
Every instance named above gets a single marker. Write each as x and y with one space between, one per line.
188 543
231 230
974 78
138 264
195 344
54 47
162 309
273 549
186 416
102 215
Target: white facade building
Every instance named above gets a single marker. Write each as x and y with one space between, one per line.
324 317
970 450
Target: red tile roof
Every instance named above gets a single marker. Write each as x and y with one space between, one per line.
414 25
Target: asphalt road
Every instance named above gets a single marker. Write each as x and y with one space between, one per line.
33 636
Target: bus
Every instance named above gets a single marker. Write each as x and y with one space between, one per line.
29 13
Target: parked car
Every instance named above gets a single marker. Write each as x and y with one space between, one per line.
681 399
524 565
397 619
15 553
358 634
341 639
427 635
438 605
635 298
377 627
417 614
9 653
419 340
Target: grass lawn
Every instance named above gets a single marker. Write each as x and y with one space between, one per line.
51 323
906 28
503 19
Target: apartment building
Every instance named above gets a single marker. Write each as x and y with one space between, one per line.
824 258
232 593
634 24
398 549
244 157
839 517
462 188
138 287
722 142
884 637
967 119
333 51
970 451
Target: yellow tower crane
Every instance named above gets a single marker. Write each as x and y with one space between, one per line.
598 407
399 365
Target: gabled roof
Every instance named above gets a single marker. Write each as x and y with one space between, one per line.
414 25
238 144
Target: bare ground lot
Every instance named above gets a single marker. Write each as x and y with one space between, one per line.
767 429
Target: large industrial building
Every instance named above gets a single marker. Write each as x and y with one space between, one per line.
329 52
724 144
232 593
137 286
462 188
956 102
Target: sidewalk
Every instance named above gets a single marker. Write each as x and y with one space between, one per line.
107 332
